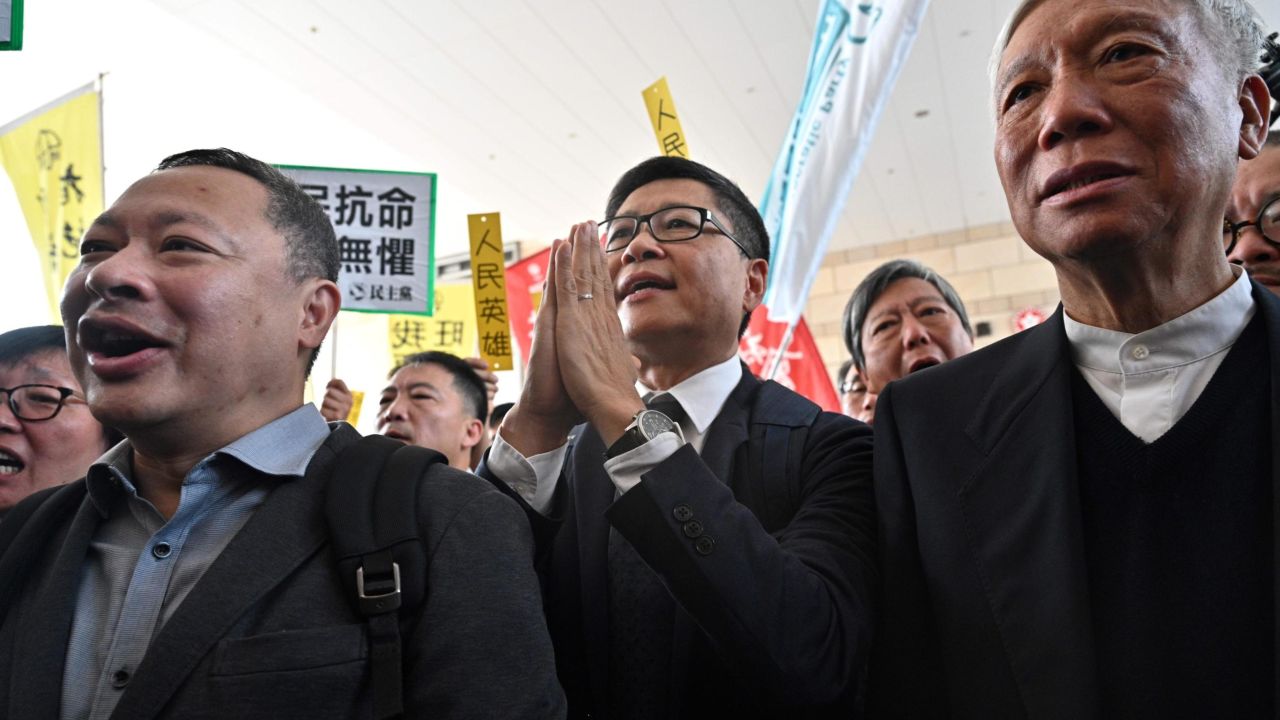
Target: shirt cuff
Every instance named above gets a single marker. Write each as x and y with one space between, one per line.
626 469
533 478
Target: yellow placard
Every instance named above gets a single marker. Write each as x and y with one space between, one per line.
54 158
451 328
666 123
489 281
357 400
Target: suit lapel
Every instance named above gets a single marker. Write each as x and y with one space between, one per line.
1022 508
728 431
593 493
281 535
41 648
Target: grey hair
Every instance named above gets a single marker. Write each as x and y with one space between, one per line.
874 285
1236 25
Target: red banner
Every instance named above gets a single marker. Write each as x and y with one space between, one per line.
524 280
801 369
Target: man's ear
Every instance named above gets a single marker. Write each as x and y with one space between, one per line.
475 430
320 302
757 281
1255 106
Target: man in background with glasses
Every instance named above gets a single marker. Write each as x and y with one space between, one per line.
707 538
1251 231
47 436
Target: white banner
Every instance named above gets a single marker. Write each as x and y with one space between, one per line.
858 49
385 224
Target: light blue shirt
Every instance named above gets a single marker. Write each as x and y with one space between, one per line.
139 568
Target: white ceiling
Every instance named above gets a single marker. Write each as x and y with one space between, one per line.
534 108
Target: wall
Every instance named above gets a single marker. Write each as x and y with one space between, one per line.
993 270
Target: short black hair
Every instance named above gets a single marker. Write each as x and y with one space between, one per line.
311 247
18 345
842 373
748 226
499 411
874 285
475 399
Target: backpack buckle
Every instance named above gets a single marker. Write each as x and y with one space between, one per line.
383 594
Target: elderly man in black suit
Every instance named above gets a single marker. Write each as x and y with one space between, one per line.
1079 521
712 558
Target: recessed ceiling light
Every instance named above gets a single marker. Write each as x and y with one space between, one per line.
314 29
922 113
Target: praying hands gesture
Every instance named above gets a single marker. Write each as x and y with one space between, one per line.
580 367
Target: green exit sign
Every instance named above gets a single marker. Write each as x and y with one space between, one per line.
10 24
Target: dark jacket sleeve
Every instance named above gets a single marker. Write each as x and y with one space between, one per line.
790 610
481 648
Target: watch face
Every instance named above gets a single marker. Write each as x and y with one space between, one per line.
653 423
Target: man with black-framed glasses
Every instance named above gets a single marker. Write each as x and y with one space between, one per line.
707 538
1251 230
47 436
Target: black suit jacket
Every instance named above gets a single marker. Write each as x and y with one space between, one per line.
270 632
985 610
772 620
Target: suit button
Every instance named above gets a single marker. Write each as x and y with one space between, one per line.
683 513
119 679
704 545
693 529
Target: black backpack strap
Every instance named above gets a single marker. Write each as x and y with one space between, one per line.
25 532
371 505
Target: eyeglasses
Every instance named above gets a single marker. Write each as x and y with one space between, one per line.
673 224
849 386
36 402
1268 224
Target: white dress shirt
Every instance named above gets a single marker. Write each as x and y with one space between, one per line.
1150 380
702 396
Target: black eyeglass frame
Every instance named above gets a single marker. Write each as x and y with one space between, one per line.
643 221
63 394
1235 228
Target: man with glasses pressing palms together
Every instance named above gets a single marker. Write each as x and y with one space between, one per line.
709 553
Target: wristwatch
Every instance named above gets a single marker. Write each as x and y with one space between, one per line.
645 426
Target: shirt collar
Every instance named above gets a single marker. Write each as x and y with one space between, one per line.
1188 338
282 448
703 394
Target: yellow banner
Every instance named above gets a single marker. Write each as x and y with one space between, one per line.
489 281
54 158
666 124
357 400
451 328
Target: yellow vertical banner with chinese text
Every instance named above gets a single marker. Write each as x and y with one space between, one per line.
489 281
450 328
666 123
53 157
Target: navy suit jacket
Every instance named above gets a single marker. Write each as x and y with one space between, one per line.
773 615
985 610
270 632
